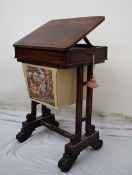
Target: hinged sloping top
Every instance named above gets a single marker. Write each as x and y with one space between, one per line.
60 34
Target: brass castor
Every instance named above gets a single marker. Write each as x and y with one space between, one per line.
98 144
24 134
66 162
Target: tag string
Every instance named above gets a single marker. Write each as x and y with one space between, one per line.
93 65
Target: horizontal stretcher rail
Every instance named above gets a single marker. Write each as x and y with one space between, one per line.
57 129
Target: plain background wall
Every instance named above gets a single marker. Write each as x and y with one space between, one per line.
18 18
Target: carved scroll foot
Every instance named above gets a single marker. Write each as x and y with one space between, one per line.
24 134
66 162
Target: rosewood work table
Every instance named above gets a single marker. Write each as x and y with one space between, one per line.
55 45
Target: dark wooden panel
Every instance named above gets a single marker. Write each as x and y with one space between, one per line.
71 58
40 56
60 34
85 55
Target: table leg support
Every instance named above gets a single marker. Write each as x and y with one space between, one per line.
73 150
26 131
89 128
79 97
70 157
33 122
91 138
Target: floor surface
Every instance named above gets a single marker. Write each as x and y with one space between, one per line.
40 154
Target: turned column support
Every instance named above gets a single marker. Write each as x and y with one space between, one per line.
89 128
79 98
32 115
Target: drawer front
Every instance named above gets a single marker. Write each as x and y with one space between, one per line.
82 55
35 56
